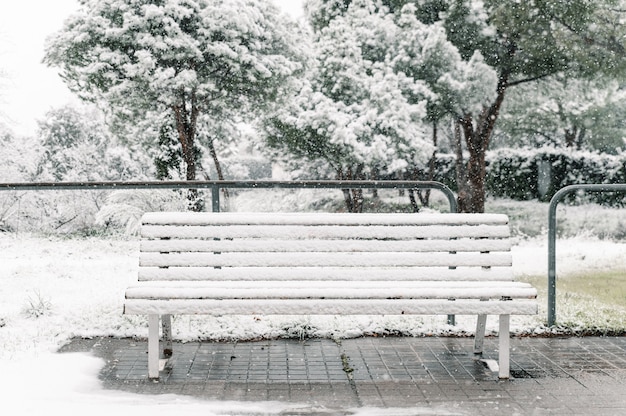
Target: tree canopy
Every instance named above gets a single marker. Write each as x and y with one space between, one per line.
522 41
351 110
377 81
366 99
565 112
189 58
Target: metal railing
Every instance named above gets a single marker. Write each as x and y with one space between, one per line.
216 186
558 196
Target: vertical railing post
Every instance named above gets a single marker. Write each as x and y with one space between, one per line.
552 236
552 259
215 198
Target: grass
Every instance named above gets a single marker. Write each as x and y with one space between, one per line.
607 287
587 302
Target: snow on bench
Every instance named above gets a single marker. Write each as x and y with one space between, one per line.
326 264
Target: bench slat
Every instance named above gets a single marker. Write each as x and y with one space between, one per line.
333 290
326 273
296 232
271 245
324 259
319 218
321 293
330 307
339 284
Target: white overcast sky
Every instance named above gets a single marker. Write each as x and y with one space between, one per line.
27 87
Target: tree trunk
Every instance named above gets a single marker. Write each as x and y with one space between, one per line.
574 137
581 137
357 200
476 172
186 120
375 177
477 139
460 169
414 205
570 137
353 197
218 166
432 164
412 174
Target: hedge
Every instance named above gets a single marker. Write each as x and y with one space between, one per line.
514 173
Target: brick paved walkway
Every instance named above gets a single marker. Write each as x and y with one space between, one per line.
422 375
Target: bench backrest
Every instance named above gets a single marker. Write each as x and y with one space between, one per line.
324 246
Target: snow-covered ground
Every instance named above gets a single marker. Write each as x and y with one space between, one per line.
54 288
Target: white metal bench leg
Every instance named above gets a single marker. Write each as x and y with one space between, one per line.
505 347
153 346
479 338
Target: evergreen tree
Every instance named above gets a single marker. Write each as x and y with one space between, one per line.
351 112
523 41
187 58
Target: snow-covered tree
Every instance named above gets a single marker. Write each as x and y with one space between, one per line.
361 46
353 112
18 157
216 139
566 112
76 146
423 52
189 58
523 41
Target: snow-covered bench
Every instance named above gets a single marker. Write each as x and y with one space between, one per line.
328 264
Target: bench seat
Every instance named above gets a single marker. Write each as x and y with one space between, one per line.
327 264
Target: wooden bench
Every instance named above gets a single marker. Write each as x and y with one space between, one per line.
326 264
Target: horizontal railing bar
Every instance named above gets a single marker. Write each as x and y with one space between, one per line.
16 186
263 184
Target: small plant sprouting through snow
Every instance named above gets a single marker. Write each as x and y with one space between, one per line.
37 305
300 330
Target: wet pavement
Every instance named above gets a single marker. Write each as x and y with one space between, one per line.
387 375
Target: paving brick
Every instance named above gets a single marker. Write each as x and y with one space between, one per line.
550 375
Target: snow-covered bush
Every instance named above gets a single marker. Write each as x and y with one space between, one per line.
124 208
514 173
73 145
18 159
